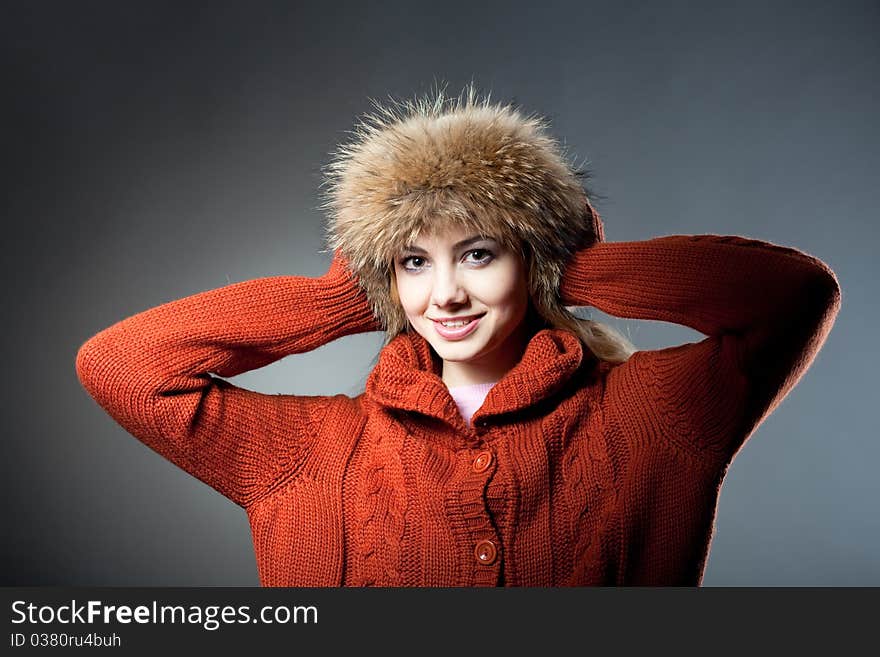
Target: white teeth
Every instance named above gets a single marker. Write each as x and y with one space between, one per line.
457 324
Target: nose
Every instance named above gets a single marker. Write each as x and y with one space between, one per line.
446 288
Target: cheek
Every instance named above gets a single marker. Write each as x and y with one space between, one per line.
507 292
413 294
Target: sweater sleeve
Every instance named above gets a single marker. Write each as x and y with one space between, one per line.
154 373
766 310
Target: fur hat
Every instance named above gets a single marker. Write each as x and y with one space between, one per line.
435 161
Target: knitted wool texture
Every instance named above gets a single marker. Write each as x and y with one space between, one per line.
575 472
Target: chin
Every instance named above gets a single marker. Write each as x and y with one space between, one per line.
452 350
456 355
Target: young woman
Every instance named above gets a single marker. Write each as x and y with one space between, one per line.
500 440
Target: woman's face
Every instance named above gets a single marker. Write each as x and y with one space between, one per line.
477 285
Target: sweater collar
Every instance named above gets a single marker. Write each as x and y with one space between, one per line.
407 377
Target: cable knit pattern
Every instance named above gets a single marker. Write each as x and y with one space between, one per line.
381 526
573 471
592 493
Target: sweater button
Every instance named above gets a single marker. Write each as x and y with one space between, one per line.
486 552
482 462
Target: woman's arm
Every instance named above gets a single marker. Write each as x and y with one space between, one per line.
153 373
767 310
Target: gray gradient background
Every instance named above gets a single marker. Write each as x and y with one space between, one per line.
154 151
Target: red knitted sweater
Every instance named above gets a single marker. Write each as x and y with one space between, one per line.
574 472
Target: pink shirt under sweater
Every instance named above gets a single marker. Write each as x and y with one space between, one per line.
469 398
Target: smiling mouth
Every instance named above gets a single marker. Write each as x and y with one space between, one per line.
457 322
460 329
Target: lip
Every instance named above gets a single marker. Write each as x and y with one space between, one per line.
458 333
452 319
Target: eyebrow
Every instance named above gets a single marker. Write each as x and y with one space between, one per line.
456 246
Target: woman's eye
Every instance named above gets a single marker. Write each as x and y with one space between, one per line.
403 263
484 255
414 263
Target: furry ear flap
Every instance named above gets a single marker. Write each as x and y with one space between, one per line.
436 161
598 227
